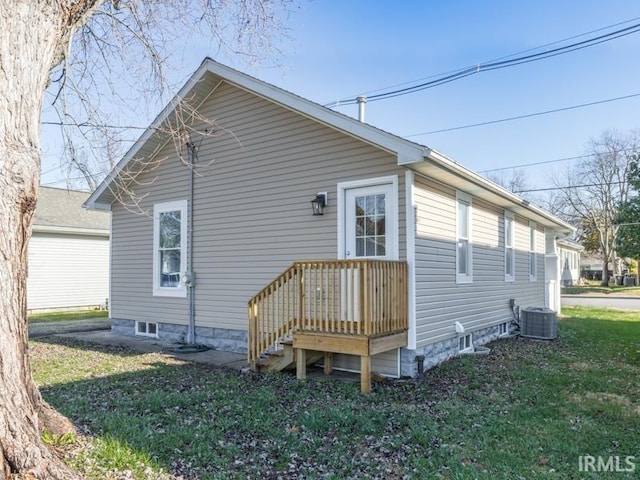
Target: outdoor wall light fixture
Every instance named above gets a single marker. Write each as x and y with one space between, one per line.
319 203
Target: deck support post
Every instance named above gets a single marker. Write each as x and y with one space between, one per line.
328 363
365 374
301 363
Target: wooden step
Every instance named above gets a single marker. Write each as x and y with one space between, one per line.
279 360
284 359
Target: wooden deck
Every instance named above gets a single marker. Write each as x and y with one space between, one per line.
355 307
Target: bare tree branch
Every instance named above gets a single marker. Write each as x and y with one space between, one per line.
595 189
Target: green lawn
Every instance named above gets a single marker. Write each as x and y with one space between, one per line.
593 287
526 411
598 290
67 316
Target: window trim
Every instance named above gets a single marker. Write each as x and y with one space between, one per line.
158 208
509 216
465 348
464 277
146 329
533 255
503 326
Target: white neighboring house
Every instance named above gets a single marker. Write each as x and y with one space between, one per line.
569 257
68 253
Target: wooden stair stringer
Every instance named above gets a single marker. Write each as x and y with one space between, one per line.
284 358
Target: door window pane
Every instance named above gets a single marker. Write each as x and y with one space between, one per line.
370 226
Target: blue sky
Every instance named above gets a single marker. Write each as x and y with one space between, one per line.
340 49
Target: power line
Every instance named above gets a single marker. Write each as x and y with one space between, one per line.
586 185
93 125
535 163
519 117
344 100
550 161
472 70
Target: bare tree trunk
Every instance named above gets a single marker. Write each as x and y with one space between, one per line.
605 273
33 38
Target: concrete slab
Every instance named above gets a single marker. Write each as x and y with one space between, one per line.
235 361
44 329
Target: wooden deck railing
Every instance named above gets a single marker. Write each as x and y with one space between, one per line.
357 297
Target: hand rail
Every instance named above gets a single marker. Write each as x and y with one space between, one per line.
356 297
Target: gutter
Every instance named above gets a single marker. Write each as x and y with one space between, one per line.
99 232
446 164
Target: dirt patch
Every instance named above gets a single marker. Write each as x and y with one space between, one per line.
45 329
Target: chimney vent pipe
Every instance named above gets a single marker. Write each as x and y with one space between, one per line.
361 102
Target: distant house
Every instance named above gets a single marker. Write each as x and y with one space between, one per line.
414 258
68 253
569 256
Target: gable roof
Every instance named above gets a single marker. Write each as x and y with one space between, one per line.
60 211
409 154
569 244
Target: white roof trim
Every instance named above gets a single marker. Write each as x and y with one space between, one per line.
570 245
446 163
406 150
408 153
73 230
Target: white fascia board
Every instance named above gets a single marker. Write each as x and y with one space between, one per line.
569 245
405 150
72 230
445 163
146 136
106 207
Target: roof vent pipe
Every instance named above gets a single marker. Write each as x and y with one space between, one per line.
361 101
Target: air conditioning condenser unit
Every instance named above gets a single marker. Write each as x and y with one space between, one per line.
539 323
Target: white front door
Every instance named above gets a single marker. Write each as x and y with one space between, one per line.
371 222
370 231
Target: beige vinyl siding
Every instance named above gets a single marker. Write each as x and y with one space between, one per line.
252 216
440 302
132 247
67 271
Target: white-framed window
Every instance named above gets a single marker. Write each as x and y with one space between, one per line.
465 343
503 329
148 329
533 260
169 248
509 247
464 253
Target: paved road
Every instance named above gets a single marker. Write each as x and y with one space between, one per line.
606 301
